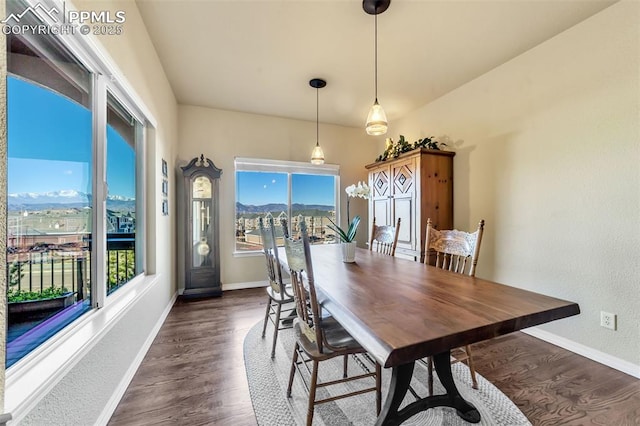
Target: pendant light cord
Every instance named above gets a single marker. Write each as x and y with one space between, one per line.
376 54
317 119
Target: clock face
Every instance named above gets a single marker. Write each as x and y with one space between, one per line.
201 187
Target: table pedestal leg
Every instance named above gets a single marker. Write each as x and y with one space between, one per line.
400 380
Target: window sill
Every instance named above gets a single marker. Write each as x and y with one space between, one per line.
31 378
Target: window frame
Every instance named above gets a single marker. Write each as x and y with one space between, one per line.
30 378
246 164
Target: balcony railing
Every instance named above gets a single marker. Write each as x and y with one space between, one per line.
47 267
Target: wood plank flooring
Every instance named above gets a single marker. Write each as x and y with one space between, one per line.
194 373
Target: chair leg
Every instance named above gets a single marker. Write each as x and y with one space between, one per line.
345 366
472 368
430 374
378 388
275 330
294 359
312 393
266 316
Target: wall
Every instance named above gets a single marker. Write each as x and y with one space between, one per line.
548 153
3 208
223 135
101 373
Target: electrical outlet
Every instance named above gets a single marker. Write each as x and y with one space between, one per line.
608 320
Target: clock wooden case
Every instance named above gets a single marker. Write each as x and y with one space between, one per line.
201 231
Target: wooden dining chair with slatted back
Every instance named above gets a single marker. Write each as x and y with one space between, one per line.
455 251
320 338
384 238
280 296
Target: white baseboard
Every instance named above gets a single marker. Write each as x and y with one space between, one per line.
118 393
587 352
240 286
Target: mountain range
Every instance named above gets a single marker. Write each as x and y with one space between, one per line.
63 198
279 207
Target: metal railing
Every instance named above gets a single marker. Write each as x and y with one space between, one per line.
35 271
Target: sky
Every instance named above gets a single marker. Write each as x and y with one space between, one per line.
259 188
50 144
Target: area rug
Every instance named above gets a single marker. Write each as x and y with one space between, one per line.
268 380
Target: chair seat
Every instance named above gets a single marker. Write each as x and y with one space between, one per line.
335 336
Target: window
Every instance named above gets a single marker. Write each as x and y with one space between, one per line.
284 189
123 138
69 243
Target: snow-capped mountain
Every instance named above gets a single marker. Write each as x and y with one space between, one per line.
65 197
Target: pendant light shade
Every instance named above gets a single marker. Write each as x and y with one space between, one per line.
377 119
317 156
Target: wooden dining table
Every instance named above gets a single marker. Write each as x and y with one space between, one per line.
401 311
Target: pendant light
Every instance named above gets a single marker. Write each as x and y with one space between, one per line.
377 119
317 156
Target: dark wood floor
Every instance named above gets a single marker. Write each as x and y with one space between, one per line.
194 373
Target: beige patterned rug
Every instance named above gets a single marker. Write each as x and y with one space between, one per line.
268 384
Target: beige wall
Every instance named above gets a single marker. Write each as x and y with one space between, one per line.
548 154
223 135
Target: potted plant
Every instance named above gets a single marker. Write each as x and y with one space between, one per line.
36 304
347 238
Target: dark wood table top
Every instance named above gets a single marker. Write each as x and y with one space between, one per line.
401 311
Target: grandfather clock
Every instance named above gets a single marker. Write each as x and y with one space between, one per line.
201 228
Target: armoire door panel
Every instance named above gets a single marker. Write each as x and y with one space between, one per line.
404 178
403 209
381 211
380 183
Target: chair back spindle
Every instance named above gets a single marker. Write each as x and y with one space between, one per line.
454 250
270 249
384 238
307 308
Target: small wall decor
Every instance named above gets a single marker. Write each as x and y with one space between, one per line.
164 168
165 188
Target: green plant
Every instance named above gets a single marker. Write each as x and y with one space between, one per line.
15 273
122 267
350 234
47 293
394 149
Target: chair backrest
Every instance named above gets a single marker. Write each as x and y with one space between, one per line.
307 308
384 238
453 249
270 249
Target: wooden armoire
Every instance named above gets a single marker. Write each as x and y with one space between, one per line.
413 187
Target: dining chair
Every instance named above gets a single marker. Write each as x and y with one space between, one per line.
320 338
279 294
384 238
455 251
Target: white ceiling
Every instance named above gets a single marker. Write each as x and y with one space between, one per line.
258 56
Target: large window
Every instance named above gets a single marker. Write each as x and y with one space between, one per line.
284 189
71 239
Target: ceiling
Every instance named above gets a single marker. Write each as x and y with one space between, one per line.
258 56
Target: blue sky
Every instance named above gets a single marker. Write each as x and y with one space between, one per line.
50 144
259 188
